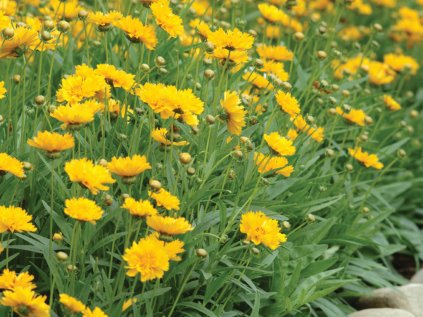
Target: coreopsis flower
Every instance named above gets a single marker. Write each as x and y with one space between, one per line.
258 81
361 7
56 8
83 209
96 312
129 167
276 53
8 7
165 199
15 219
400 62
234 112
116 77
368 160
232 40
350 67
116 108
279 144
74 116
161 135
380 73
128 303
202 27
150 257
276 164
357 116
169 226
71 303
139 208
137 32
391 103
300 123
288 103
351 33
272 31
386 3
9 164
23 42
261 229
271 13
93 177
104 20
166 19
316 133
52 142
170 102
230 57
3 90
10 280
25 302
274 69
292 134
84 84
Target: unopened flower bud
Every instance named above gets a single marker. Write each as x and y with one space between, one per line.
255 250
414 114
209 47
185 158
378 27
46 36
82 14
58 236
160 61
210 119
155 184
40 100
311 217
63 26
202 253
330 152
321 55
238 154
48 24
108 200
191 170
62 256
299 36
286 224
209 74
17 78
71 268
145 68
8 33
401 153
349 167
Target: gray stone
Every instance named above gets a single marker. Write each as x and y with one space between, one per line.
418 277
408 297
382 312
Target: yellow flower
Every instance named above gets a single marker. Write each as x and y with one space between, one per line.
73 116
173 248
231 40
55 8
85 83
160 135
104 20
97 312
9 164
137 32
128 167
356 116
83 209
128 303
278 164
292 134
116 77
15 219
93 177
368 160
275 69
400 62
10 280
170 102
52 142
23 42
168 225
202 27
3 90
258 81
140 208
317 134
349 67
288 103
165 199
351 33
361 7
234 112
275 53
166 19
261 229
279 144
150 257
300 123
380 73
25 302
71 303
271 13
391 103
230 58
